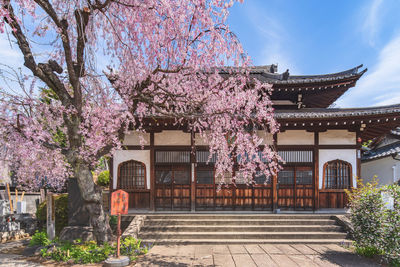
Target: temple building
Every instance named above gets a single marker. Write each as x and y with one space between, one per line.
321 147
381 160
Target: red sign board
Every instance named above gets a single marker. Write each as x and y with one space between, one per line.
119 202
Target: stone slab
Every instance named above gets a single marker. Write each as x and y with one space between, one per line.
254 249
283 260
220 249
243 260
304 249
287 249
263 260
223 260
319 248
237 249
302 260
271 249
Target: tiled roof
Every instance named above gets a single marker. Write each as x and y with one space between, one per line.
396 131
313 113
263 74
381 152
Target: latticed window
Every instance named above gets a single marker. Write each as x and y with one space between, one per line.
132 175
337 174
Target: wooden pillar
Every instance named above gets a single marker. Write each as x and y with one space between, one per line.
192 173
275 181
316 171
358 156
152 173
111 187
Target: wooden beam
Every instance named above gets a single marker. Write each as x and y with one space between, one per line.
152 173
192 172
275 180
358 156
316 171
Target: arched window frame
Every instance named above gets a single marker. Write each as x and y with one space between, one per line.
144 176
337 161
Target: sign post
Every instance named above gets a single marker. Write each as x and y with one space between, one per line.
119 205
51 220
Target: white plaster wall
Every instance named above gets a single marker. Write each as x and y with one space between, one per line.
296 137
386 169
200 141
171 138
337 137
349 155
132 139
268 138
125 155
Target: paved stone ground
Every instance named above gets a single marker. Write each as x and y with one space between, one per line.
267 255
14 260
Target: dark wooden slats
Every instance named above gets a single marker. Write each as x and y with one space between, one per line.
337 174
172 187
230 197
295 188
132 175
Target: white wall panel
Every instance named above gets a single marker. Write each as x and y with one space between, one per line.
125 155
337 137
349 155
133 139
296 137
172 138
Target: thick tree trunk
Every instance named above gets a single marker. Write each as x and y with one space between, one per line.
92 196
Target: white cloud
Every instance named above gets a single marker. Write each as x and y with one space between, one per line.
381 85
276 39
371 16
9 55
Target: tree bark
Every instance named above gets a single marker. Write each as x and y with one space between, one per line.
92 196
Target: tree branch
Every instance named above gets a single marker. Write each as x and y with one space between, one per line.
63 26
42 70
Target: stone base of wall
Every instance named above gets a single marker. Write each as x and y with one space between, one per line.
12 235
134 227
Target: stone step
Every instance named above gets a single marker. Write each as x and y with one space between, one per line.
242 235
242 228
240 216
343 242
165 222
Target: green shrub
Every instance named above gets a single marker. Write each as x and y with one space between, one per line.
367 215
90 252
104 178
61 212
113 220
39 239
391 240
376 228
368 252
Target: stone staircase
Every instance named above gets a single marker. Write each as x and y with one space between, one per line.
241 229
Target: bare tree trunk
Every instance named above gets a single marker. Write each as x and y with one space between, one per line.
92 196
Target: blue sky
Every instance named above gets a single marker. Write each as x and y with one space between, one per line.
317 37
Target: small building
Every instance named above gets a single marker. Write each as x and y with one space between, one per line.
382 160
320 145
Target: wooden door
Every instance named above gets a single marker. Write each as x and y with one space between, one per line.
172 187
295 188
230 197
205 188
